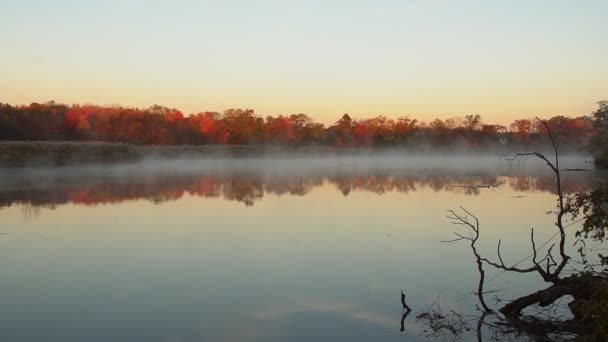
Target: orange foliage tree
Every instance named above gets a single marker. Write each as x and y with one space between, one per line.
158 125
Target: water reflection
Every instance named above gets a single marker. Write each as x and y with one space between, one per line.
403 317
109 186
325 262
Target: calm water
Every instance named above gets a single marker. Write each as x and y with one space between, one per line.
257 250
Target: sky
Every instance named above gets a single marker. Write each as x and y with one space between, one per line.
422 58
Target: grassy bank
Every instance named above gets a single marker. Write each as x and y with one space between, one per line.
43 153
19 154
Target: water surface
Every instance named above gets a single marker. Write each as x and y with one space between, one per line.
257 250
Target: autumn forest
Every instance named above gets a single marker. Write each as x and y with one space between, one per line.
160 125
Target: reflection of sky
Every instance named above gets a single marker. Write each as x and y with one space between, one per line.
320 266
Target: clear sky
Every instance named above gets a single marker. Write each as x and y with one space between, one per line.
423 58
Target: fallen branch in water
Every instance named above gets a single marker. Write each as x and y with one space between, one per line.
579 287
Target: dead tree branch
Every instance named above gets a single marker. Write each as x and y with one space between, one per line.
579 287
549 267
552 269
474 236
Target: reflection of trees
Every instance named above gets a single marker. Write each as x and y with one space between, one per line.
546 184
248 188
30 212
468 185
292 185
243 190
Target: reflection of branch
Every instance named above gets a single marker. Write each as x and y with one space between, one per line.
405 311
447 324
480 323
403 317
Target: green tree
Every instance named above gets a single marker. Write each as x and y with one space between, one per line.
599 142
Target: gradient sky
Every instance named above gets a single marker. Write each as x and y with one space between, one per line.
423 58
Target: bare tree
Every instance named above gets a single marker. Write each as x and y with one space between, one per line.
549 267
472 236
545 265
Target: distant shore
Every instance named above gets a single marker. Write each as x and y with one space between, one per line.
73 153
70 153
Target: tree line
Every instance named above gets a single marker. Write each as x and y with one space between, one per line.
160 125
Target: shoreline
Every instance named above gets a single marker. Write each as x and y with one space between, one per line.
15 154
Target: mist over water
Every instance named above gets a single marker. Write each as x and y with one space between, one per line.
248 179
305 164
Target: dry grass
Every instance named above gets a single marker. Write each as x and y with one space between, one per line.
36 153
50 153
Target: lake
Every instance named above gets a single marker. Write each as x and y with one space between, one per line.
261 249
